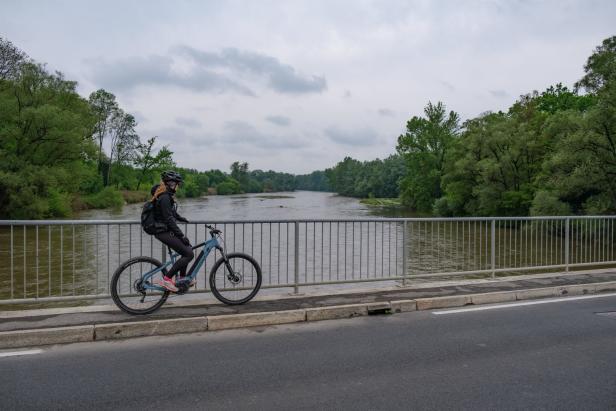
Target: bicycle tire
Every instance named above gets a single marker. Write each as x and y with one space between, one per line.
217 281
116 286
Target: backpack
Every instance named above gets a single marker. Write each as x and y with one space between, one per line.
148 222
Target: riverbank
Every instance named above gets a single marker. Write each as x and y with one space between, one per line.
382 202
108 198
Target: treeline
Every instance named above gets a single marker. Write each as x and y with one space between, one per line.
61 152
242 180
377 178
550 153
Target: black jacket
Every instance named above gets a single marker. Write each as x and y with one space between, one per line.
165 212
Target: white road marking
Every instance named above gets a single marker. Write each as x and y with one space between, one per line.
494 307
17 353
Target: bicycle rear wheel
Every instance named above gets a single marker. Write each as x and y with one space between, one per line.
128 286
236 282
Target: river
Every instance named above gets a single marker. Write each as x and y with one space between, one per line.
279 206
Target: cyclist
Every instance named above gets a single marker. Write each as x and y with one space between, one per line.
166 215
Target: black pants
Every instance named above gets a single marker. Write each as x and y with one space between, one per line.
185 251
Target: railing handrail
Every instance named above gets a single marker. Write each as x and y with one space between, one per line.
309 220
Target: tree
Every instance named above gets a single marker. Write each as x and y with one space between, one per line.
124 140
104 107
11 60
146 160
424 146
582 169
239 171
44 145
600 67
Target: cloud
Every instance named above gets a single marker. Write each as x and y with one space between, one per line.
499 93
361 137
209 72
244 134
279 120
385 112
448 86
187 122
129 73
280 77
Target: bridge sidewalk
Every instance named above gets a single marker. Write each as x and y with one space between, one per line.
422 292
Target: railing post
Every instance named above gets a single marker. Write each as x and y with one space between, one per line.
567 244
493 247
404 254
296 255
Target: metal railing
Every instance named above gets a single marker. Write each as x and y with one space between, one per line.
54 260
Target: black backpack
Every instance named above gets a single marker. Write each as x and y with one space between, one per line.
148 222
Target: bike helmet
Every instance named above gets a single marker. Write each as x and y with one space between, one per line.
171 176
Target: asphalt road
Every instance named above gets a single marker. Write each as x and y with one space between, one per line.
549 356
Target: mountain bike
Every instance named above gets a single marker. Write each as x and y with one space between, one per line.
235 278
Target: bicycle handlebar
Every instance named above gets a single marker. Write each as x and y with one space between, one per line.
213 230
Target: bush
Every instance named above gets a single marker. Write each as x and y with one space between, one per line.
546 203
230 186
59 204
133 196
597 205
442 208
108 197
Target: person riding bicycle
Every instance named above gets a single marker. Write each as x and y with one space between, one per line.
166 215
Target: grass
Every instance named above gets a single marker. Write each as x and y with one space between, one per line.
132 196
108 197
382 202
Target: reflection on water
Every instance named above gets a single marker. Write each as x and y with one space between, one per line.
79 259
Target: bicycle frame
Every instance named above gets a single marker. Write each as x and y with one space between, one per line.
208 246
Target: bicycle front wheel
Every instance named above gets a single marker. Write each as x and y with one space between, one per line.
235 280
130 286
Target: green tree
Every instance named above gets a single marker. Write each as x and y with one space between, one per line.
600 67
11 59
146 160
239 171
45 143
582 169
104 106
124 141
424 146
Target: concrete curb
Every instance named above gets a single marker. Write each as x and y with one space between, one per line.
224 322
116 331
46 336
113 331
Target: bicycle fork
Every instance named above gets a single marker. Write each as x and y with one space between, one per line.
231 275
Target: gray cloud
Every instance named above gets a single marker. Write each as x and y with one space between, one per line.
499 93
139 117
188 122
448 86
279 120
280 77
244 134
361 137
131 72
213 72
385 112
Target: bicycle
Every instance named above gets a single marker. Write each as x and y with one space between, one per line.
235 278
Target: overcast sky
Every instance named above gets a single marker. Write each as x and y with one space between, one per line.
296 86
